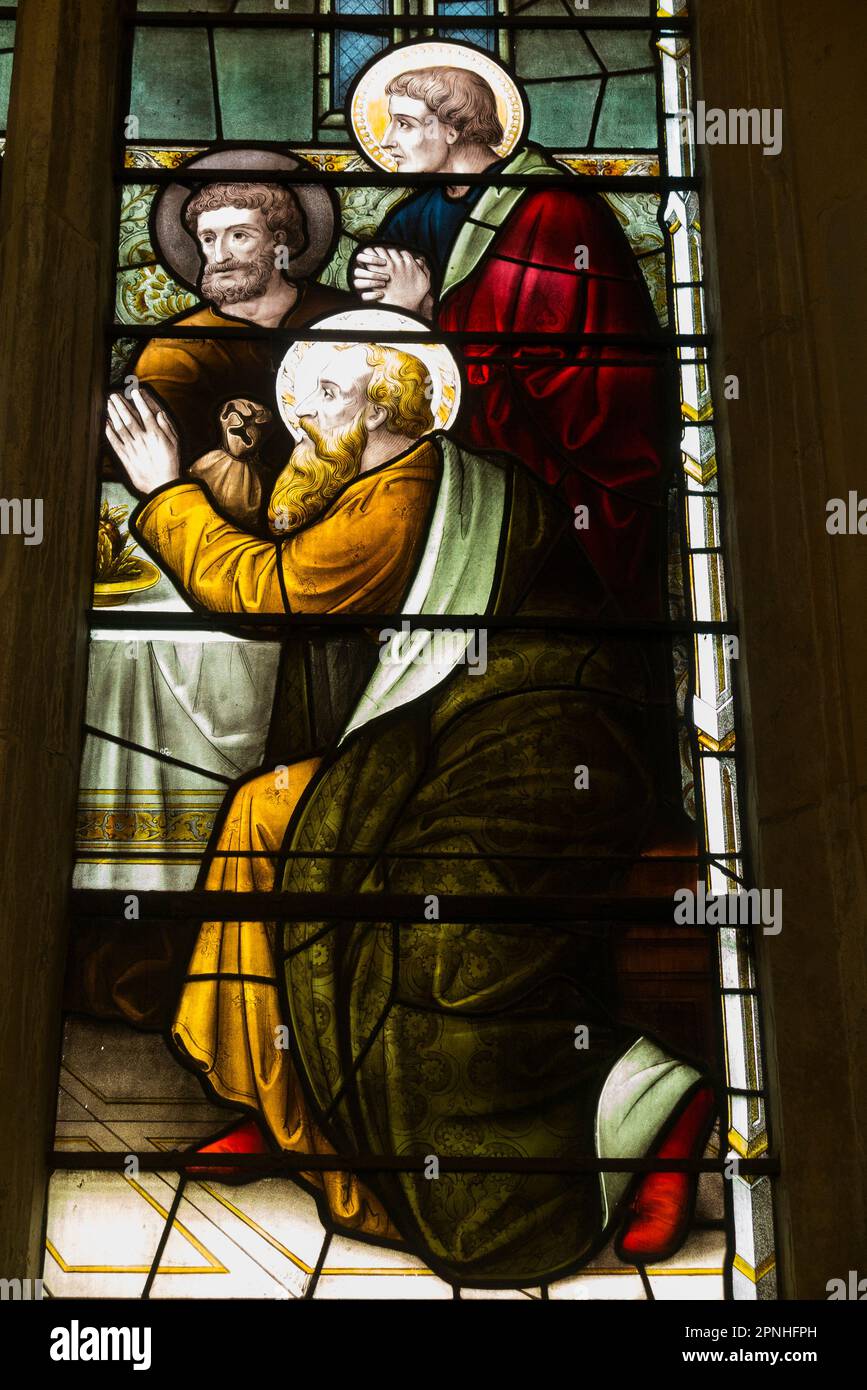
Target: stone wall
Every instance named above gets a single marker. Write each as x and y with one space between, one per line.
788 298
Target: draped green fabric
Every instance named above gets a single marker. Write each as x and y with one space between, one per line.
441 1039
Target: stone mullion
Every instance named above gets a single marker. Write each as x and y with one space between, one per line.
56 252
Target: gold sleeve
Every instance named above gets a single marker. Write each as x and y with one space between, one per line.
359 557
224 568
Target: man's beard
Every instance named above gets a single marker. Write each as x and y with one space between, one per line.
251 282
315 474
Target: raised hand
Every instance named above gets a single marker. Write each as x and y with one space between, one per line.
145 440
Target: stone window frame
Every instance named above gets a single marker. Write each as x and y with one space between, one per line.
58 230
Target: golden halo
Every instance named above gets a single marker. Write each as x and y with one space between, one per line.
375 325
368 110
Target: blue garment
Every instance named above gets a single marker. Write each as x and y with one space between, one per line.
428 223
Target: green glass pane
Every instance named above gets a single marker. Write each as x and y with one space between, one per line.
5 83
7 40
327 135
628 117
537 8
624 48
227 6
133 241
285 6
203 6
597 9
171 85
561 113
552 53
621 9
266 83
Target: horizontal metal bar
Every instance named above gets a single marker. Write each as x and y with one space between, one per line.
162 19
506 358
444 856
404 908
152 262
434 622
568 178
655 342
174 1160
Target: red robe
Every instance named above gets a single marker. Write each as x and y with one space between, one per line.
595 432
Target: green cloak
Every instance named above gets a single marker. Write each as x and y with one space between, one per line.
439 1039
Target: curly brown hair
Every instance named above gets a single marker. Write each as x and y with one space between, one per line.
278 205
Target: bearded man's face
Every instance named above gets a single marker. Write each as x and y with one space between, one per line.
240 254
318 468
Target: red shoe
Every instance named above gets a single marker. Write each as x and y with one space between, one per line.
661 1210
243 1138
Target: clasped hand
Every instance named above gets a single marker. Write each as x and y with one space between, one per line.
145 440
391 276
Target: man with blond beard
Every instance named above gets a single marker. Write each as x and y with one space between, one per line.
424 1037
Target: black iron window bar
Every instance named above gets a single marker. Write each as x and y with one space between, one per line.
562 912
381 178
211 19
272 1165
662 341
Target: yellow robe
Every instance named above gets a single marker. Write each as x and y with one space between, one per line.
360 556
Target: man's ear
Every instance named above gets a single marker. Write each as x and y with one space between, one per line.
374 416
452 135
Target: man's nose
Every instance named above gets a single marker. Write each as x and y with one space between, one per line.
388 138
306 407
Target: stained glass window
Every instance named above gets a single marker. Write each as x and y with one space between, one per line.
412 703
470 9
353 50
